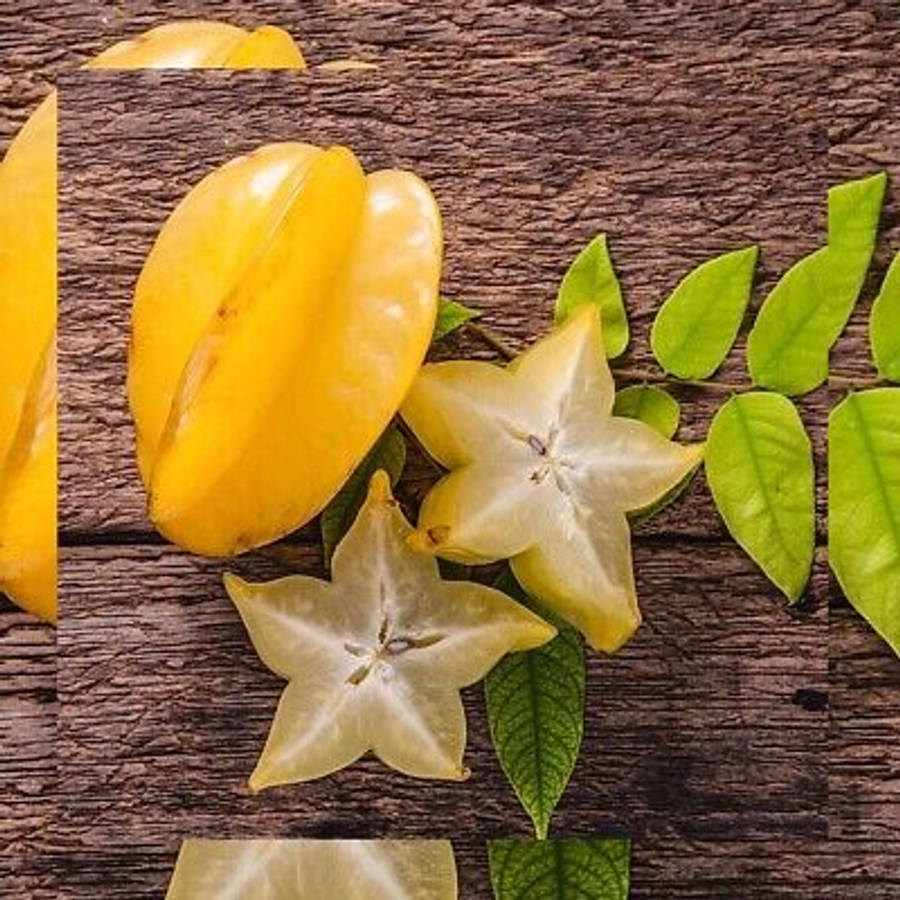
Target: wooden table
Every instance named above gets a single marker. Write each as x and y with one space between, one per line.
748 749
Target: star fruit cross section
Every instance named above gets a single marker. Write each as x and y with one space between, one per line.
700 738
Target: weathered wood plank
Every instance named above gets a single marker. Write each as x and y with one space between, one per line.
27 738
525 176
676 165
449 48
709 727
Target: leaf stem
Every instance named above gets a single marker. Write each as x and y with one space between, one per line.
847 381
492 339
730 387
497 342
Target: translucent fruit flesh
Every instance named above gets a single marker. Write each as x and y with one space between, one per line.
314 870
543 474
376 658
279 321
28 293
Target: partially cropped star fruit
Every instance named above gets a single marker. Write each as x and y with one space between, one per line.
376 658
278 323
314 870
542 474
28 296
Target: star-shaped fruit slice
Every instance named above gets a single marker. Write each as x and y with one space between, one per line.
543 474
376 658
314 870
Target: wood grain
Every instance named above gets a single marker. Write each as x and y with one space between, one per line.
709 731
27 765
524 178
681 129
710 726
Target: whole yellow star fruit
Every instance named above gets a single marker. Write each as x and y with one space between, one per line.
28 296
543 474
278 323
375 659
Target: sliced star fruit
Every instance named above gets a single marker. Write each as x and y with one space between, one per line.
28 296
314 870
543 474
286 289
376 658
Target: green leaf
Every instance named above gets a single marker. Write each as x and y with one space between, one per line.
696 326
651 405
592 279
639 516
535 706
884 324
805 313
760 469
450 316
864 506
389 453
853 212
597 869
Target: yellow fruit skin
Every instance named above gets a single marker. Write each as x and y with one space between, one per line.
27 320
27 262
203 45
257 390
266 48
28 291
28 502
222 221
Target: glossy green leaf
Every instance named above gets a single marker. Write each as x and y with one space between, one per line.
760 469
697 325
450 316
389 453
535 706
598 869
651 405
864 506
884 325
592 279
803 316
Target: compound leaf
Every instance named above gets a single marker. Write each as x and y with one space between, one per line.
760 470
651 405
864 506
697 325
803 316
596 869
535 705
854 208
592 279
450 316
884 325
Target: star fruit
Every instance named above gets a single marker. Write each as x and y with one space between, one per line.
28 296
376 658
314 870
278 322
543 474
